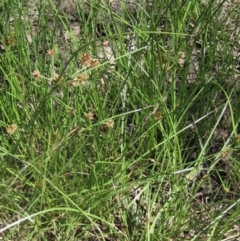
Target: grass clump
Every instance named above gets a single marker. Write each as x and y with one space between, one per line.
122 127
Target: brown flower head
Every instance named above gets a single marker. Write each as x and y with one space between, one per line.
89 115
181 62
72 111
50 52
85 59
36 74
56 79
94 63
110 124
181 55
80 79
226 154
158 115
11 128
10 39
181 59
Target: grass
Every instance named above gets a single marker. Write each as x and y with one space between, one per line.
140 146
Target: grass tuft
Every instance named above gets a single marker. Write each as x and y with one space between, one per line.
119 124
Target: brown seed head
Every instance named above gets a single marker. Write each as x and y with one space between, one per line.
85 59
89 115
36 74
11 128
50 52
